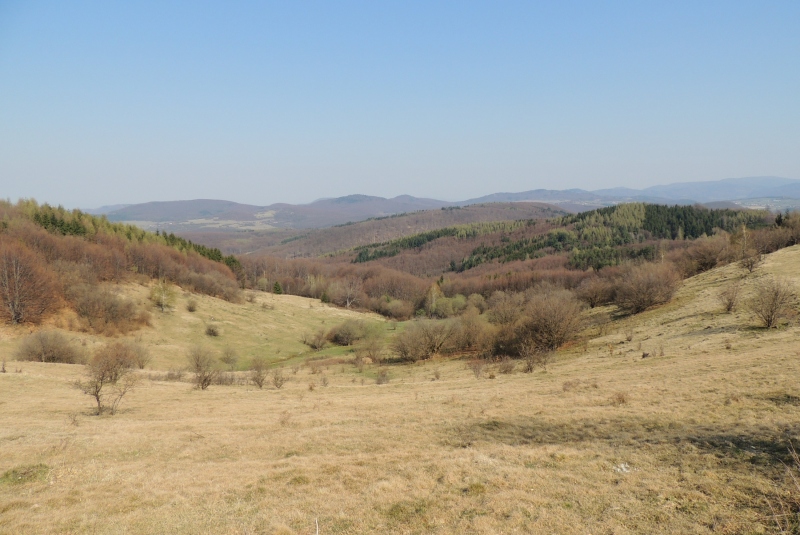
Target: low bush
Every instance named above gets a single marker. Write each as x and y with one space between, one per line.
774 300
258 371
104 311
203 365
109 376
645 286
48 346
423 339
729 296
315 340
347 333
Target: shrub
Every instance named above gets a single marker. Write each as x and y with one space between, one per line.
595 291
139 354
370 348
48 346
506 366
162 295
469 332
505 309
108 376
774 299
552 318
619 398
533 358
315 340
104 311
729 296
229 358
191 305
423 339
212 329
477 366
347 333
382 377
258 371
645 286
203 365
278 378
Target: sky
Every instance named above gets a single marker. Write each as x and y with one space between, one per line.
106 102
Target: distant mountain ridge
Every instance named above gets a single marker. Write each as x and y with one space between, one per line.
219 214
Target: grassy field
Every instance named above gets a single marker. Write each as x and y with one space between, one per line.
691 439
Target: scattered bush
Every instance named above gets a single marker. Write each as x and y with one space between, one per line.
229 357
162 295
278 378
48 346
212 329
504 308
203 365
258 371
315 340
108 376
506 366
729 296
645 286
596 291
139 354
619 398
533 358
477 366
372 349
552 318
104 311
423 339
774 299
382 377
191 305
347 333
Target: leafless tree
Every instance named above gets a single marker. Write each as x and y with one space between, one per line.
203 365
258 371
109 377
774 299
27 291
729 296
645 286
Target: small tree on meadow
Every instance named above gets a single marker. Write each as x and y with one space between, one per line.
162 295
774 299
645 286
203 365
258 371
109 376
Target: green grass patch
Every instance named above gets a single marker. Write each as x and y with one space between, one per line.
25 474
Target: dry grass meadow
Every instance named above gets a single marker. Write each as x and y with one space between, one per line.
691 439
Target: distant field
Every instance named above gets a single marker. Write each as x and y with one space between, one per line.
691 439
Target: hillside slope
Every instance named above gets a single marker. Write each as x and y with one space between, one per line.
693 440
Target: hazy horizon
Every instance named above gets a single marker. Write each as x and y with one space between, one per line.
259 103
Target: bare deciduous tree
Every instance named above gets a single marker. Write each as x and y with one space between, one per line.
258 371
109 376
774 299
27 291
203 365
729 296
645 286
552 318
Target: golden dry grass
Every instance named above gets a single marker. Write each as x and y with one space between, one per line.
603 442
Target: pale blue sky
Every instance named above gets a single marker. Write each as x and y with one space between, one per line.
121 102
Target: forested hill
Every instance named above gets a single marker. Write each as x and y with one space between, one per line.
61 221
597 238
51 257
